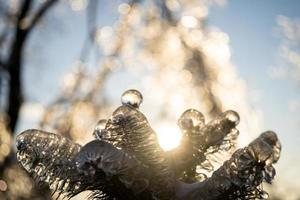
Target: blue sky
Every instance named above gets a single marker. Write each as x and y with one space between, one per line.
251 26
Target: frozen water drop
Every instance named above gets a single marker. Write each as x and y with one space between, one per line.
271 138
232 116
206 165
276 154
233 135
226 145
101 125
132 98
77 185
269 173
191 118
99 130
264 195
201 177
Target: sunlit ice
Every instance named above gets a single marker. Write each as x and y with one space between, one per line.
169 136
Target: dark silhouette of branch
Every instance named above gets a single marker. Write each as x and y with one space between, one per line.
14 62
13 66
2 65
3 36
41 12
91 23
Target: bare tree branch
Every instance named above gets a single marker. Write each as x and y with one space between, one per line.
14 63
15 98
40 13
24 10
2 65
3 35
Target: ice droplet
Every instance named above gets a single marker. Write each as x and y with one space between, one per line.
226 145
232 116
264 195
191 118
269 173
233 135
132 98
206 165
201 177
271 138
100 129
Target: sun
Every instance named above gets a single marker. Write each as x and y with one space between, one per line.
169 136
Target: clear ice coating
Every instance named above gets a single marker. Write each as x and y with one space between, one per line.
130 131
126 162
191 118
50 158
132 98
99 130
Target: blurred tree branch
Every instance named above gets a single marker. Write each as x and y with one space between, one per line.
41 12
14 64
205 75
2 65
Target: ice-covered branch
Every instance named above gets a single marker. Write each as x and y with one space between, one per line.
126 162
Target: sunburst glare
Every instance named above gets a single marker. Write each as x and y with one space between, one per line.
169 136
